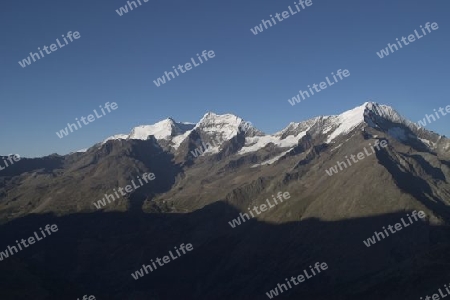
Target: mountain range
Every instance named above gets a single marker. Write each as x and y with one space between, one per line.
193 197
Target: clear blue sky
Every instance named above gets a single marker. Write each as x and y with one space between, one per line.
118 57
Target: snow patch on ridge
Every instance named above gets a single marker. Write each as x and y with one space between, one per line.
347 122
258 142
272 160
116 137
177 140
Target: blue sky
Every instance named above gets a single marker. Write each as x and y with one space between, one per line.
118 57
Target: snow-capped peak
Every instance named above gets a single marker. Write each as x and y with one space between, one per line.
227 125
374 115
224 127
384 111
347 121
162 130
211 119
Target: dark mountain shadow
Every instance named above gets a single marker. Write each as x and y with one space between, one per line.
45 164
447 163
96 253
413 185
435 173
165 170
124 159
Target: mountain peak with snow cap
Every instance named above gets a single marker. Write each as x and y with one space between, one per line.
329 129
228 124
211 118
165 129
386 118
383 118
384 111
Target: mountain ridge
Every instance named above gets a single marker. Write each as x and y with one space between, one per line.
370 112
327 217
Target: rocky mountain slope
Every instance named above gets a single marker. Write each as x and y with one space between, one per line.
194 197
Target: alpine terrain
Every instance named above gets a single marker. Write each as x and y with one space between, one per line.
207 177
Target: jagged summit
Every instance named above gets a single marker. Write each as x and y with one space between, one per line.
383 111
224 127
386 112
372 114
227 125
211 119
